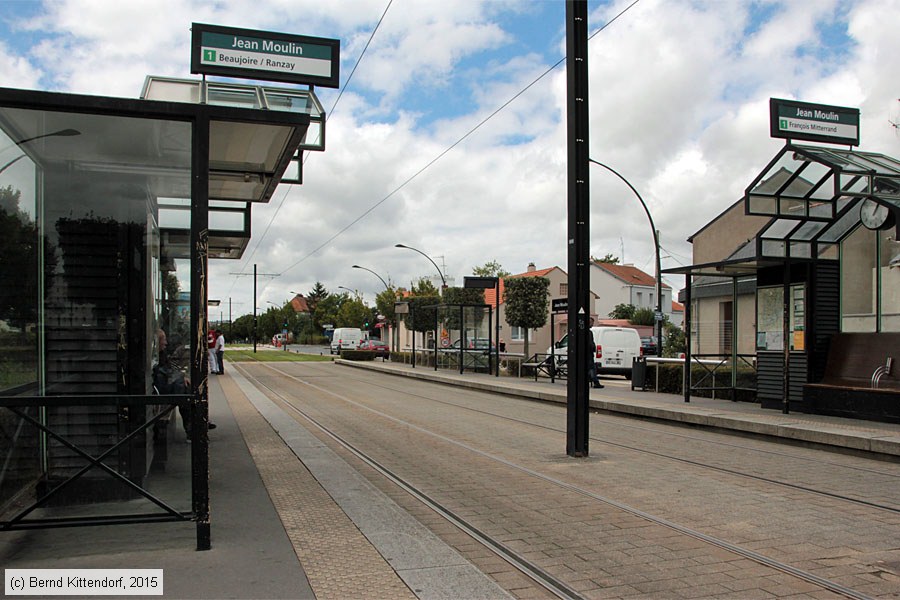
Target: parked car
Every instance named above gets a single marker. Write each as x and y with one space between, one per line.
648 344
377 346
474 344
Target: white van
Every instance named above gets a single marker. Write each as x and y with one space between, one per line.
345 338
616 348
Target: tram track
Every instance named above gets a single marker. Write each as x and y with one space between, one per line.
668 457
533 571
681 460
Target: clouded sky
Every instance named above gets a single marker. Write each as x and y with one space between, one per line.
679 96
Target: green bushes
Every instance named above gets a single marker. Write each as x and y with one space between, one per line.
359 355
671 381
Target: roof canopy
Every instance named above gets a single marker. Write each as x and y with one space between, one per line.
813 195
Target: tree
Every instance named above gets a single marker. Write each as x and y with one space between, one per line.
385 303
457 296
313 298
622 311
327 309
354 313
674 340
527 303
608 259
424 287
490 269
242 328
643 316
420 318
19 243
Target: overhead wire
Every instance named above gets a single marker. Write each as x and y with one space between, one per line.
450 148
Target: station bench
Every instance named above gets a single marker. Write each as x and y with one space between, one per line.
544 366
856 363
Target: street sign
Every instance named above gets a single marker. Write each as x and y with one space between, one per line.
265 55
814 122
479 282
559 304
658 315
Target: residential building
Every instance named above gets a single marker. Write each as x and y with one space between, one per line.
626 284
557 324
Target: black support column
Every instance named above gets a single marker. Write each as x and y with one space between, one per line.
579 237
199 355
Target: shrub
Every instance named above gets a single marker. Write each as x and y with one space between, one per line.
360 355
671 381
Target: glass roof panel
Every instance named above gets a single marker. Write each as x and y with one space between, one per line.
808 230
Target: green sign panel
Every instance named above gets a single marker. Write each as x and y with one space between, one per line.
815 122
265 55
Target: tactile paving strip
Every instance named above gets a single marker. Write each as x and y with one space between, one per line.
339 561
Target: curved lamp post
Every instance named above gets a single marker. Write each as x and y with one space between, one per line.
60 133
386 286
659 311
443 280
354 292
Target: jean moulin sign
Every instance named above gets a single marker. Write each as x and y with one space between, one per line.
814 122
265 55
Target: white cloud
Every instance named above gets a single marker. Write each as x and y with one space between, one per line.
678 99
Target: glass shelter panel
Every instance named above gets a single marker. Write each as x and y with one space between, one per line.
859 285
80 210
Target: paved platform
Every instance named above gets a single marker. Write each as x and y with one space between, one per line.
617 397
251 556
311 528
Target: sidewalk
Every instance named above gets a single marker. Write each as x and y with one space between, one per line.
618 398
251 555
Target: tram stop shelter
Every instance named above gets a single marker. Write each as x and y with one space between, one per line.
110 209
818 286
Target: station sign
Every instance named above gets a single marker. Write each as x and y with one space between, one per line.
813 122
483 283
559 305
264 55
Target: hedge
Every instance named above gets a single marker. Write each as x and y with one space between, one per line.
359 355
671 380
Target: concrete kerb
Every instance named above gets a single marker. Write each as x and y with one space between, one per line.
848 434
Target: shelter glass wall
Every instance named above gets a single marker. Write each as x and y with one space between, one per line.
86 287
870 286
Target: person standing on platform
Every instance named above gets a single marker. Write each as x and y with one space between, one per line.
220 352
591 348
211 346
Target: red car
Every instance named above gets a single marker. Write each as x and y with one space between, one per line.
377 346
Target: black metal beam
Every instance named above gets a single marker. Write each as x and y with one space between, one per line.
579 237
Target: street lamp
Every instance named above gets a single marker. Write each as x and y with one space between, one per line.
60 133
354 292
443 280
386 286
659 310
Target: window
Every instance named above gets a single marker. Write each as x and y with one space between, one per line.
564 289
640 299
517 334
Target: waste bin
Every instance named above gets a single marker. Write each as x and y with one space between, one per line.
639 373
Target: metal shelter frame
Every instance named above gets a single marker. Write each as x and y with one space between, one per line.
813 195
202 118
